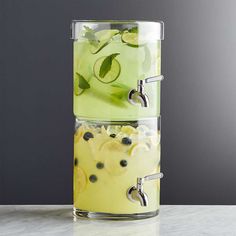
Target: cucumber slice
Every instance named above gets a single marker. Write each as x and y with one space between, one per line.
111 75
104 37
130 38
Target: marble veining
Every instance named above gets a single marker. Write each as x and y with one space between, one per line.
173 220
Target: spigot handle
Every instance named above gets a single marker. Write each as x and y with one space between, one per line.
140 181
154 79
154 176
150 80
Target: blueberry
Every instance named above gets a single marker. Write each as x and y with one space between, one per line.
123 163
100 165
112 135
93 178
87 136
76 161
126 141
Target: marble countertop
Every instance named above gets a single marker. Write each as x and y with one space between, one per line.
173 220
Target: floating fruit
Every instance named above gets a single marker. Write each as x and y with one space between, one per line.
126 141
103 37
142 129
123 163
77 136
113 166
100 165
93 178
87 136
113 129
139 149
75 161
155 139
111 75
80 84
95 145
80 180
132 39
129 130
112 135
112 146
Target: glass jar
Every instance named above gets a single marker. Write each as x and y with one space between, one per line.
116 79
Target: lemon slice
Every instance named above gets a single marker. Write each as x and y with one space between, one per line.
139 149
96 144
80 181
128 130
78 134
112 146
112 165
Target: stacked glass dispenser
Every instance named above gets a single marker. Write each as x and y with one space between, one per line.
116 76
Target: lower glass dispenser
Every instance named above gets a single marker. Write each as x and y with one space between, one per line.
117 169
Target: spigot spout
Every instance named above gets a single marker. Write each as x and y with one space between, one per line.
139 96
136 193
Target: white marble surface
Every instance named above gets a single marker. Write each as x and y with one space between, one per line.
173 220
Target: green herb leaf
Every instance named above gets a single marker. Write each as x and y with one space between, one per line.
120 94
120 85
134 29
90 35
83 83
106 65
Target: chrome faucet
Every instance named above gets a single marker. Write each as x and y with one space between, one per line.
138 96
136 193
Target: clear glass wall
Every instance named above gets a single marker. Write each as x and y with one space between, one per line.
117 108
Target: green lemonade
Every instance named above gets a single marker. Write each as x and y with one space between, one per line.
115 141
107 99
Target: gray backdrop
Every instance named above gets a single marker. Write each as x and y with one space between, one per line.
198 97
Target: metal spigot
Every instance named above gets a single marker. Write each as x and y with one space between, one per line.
138 96
136 193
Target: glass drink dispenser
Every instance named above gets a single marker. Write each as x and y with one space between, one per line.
116 77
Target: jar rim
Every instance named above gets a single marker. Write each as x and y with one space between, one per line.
156 27
118 21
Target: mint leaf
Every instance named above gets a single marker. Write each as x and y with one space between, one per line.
120 94
120 85
133 30
88 29
106 65
90 35
83 83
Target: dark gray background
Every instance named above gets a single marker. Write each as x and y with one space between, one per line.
198 97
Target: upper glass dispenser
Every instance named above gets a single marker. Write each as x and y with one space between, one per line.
117 67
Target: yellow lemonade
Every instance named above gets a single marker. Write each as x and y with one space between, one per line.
107 161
